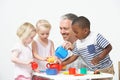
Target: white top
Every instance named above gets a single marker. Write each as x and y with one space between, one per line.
43 51
25 53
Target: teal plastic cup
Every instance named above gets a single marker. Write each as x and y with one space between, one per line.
83 70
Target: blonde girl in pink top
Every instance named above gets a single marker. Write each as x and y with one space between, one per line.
22 53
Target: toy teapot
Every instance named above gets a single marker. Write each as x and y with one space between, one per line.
54 66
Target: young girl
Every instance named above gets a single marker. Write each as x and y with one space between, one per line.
22 53
42 46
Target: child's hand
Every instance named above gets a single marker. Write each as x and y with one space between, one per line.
29 61
68 45
58 61
95 60
44 59
36 70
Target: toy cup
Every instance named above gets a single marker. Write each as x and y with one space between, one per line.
83 70
61 52
72 71
34 65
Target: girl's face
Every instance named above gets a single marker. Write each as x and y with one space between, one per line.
29 39
80 33
43 32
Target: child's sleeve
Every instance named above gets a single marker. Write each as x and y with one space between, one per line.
15 48
101 41
75 49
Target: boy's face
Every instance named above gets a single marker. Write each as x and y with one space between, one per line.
80 33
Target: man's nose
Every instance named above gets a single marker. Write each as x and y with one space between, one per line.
62 31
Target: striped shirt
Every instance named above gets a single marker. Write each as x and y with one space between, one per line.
90 47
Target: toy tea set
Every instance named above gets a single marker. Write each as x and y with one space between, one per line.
52 67
62 53
55 68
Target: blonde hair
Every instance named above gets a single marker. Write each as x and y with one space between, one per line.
25 30
43 23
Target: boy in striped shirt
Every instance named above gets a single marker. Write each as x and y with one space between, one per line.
93 48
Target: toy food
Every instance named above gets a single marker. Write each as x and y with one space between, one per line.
96 72
51 59
66 72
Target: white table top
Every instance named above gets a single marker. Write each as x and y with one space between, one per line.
62 76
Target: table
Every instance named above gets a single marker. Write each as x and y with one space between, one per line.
61 76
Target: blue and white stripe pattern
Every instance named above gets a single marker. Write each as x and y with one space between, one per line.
90 47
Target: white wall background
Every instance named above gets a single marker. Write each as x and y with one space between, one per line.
103 14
